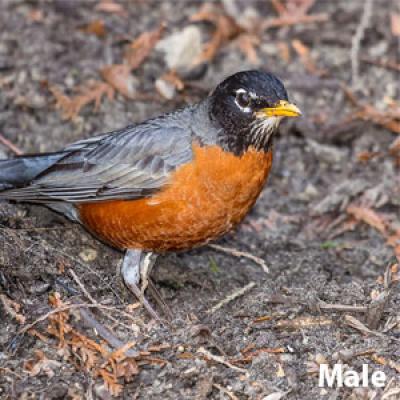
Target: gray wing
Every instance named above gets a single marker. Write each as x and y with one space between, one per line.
126 164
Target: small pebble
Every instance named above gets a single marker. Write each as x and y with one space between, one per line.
88 255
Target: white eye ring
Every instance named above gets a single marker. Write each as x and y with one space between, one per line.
247 108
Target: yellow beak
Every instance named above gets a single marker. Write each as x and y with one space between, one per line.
282 109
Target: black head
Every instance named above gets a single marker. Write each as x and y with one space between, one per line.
249 106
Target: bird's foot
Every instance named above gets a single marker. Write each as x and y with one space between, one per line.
136 267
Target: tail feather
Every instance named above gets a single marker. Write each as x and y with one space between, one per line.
20 171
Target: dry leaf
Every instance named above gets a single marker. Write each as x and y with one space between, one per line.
141 47
247 44
383 361
292 13
368 216
174 79
111 7
395 24
36 15
96 27
390 119
299 7
284 51
41 365
225 29
120 78
304 53
89 92
12 308
365 156
279 7
395 147
110 383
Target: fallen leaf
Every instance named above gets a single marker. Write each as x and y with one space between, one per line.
120 78
384 361
368 216
279 7
90 92
395 24
390 119
174 79
284 51
36 15
41 365
12 308
141 47
225 29
293 12
394 148
304 53
365 156
96 27
111 7
247 44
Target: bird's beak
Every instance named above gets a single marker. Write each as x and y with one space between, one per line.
282 109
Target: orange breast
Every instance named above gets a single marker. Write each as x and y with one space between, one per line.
204 199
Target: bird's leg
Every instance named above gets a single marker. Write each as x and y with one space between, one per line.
147 263
137 264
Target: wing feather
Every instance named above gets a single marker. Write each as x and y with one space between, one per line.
129 163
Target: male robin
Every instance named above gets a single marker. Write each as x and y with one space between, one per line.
170 183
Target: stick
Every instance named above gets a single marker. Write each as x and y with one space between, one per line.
237 253
220 360
356 43
93 301
232 297
61 309
293 20
10 145
381 63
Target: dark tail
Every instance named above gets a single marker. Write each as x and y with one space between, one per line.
20 171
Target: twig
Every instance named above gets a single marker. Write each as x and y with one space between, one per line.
356 43
61 309
105 333
82 287
381 63
93 301
341 307
230 394
10 145
85 266
220 360
237 253
358 325
232 297
293 20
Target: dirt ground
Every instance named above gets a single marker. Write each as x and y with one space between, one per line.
327 224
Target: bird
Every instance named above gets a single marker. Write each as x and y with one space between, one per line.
171 183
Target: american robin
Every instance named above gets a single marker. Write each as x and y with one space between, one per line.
170 183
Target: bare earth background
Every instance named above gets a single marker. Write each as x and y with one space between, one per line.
327 224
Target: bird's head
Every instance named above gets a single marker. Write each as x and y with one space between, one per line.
249 106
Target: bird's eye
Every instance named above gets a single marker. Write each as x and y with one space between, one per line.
243 99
